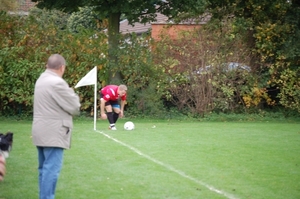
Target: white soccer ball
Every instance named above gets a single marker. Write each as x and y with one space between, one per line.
129 126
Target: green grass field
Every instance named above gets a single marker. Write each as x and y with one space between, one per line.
175 160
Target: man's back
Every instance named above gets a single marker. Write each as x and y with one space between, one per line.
54 105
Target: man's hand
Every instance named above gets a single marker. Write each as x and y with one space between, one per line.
121 114
2 167
103 116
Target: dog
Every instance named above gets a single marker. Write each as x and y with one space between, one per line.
6 141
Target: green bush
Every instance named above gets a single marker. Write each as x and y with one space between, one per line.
160 77
25 47
28 42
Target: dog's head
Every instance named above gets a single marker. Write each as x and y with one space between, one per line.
6 141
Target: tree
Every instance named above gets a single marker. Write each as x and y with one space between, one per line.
134 10
85 18
275 24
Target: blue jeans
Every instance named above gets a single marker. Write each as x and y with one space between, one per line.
50 163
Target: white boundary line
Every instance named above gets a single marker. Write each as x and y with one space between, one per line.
181 173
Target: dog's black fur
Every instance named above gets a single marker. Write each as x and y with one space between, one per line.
6 141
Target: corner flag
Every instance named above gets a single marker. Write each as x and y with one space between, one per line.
91 79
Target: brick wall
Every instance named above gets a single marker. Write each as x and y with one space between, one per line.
25 5
171 30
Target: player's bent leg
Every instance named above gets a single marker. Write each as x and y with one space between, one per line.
116 116
108 108
110 116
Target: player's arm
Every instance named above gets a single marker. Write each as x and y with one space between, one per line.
123 102
122 105
102 105
102 108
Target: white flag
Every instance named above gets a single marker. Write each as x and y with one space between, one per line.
91 79
88 79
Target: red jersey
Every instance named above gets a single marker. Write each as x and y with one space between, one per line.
110 93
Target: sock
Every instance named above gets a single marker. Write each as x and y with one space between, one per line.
110 118
115 116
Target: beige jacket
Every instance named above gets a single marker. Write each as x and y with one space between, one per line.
54 105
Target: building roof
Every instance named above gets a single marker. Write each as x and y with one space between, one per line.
140 28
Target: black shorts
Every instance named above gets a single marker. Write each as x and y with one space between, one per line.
113 103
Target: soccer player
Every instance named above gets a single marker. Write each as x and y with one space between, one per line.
109 102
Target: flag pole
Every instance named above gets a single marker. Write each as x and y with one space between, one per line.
88 79
95 101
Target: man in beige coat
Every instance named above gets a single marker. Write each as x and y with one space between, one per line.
54 105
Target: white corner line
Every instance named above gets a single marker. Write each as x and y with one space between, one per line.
181 173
